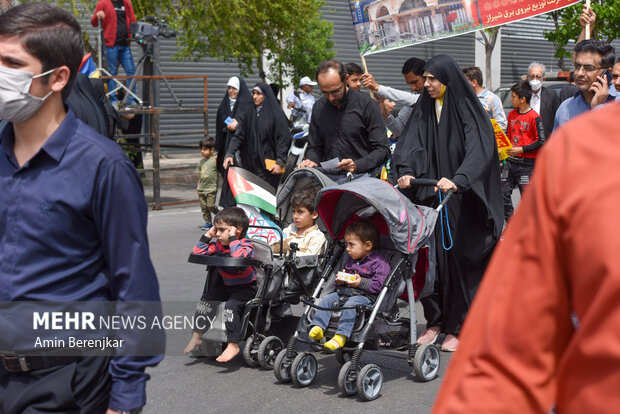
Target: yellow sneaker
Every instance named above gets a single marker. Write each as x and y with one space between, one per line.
316 333
336 342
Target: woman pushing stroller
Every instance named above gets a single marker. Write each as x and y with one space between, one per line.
370 270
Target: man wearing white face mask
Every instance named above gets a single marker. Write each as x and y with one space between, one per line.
544 101
72 232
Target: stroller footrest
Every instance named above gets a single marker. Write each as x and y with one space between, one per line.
336 308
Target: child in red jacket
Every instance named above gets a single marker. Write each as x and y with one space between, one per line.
525 131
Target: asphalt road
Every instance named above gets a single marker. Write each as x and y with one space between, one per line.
182 384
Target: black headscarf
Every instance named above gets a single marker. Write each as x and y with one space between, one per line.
262 134
89 107
242 104
222 134
462 148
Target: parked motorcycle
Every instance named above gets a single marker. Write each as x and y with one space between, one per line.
299 131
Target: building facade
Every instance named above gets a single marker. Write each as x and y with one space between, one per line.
521 43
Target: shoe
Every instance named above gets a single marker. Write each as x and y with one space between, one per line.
450 344
207 226
336 342
429 336
316 333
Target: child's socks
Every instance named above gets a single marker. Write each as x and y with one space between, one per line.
336 342
316 333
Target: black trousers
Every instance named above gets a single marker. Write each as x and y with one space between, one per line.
79 387
517 174
235 297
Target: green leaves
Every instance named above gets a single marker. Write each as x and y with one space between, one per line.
567 27
290 33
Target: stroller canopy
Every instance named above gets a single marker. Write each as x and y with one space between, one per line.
297 180
300 178
408 226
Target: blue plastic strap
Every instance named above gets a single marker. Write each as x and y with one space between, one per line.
441 220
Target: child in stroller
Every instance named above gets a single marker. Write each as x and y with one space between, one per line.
303 231
236 285
405 229
370 270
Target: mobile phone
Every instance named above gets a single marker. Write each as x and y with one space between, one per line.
607 76
228 121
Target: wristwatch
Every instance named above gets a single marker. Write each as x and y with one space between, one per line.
134 411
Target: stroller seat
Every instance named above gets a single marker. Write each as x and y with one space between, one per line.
388 307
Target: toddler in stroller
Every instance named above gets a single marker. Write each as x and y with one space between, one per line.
404 230
303 231
236 285
370 270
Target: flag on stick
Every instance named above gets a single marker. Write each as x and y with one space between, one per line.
261 221
249 189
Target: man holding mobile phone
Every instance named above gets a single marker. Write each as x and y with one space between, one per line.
593 62
615 75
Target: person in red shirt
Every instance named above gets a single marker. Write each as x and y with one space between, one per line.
116 17
526 133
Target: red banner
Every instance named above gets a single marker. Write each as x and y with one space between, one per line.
382 25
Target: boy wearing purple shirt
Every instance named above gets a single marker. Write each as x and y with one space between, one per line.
370 270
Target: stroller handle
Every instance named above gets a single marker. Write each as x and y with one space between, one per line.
429 182
424 182
332 172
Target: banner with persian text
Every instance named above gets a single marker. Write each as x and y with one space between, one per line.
382 25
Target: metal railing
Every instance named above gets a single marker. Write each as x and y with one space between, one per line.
152 126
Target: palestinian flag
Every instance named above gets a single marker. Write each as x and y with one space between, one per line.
249 189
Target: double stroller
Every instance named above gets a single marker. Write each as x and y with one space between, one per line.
282 280
405 234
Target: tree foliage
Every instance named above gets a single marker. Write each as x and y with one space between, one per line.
567 27
289 34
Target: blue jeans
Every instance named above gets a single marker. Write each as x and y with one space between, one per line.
347 318
120 54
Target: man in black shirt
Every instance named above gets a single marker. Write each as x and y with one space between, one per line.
116 16
346 125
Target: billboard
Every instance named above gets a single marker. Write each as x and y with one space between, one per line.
382 25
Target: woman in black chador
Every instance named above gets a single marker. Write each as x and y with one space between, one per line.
262 137
236 101
449 137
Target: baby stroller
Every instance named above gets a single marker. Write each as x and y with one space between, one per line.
405 229
215 338
293 276
300 272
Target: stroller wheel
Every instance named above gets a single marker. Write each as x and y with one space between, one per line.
342 356
369 382
347 382
250 351
268 350
426 362
304 369
282 367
